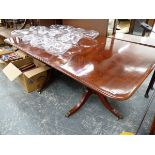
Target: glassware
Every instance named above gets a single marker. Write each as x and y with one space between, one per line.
56 39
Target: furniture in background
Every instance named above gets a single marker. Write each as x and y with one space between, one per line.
100 25
137 23
48 22
17 23
134 26
150 86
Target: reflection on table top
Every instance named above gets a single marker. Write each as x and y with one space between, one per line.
112 67
147 41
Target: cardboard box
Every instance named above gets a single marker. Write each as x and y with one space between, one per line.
7 50
1 40
4 51
32 79
22 54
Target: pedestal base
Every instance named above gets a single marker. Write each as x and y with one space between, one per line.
103 99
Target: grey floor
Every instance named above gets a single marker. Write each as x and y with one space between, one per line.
33 113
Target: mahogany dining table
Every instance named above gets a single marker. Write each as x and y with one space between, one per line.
108 67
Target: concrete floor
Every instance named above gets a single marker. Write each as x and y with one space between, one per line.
33 113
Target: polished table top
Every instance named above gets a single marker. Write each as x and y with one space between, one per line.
115 68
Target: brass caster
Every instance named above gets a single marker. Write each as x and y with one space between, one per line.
67 114
119 117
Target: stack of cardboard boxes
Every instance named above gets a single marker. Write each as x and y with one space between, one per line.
16 64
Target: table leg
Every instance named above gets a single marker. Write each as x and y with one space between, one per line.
103 99
108 106
150 85
80 104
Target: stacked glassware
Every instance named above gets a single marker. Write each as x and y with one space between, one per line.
56 39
